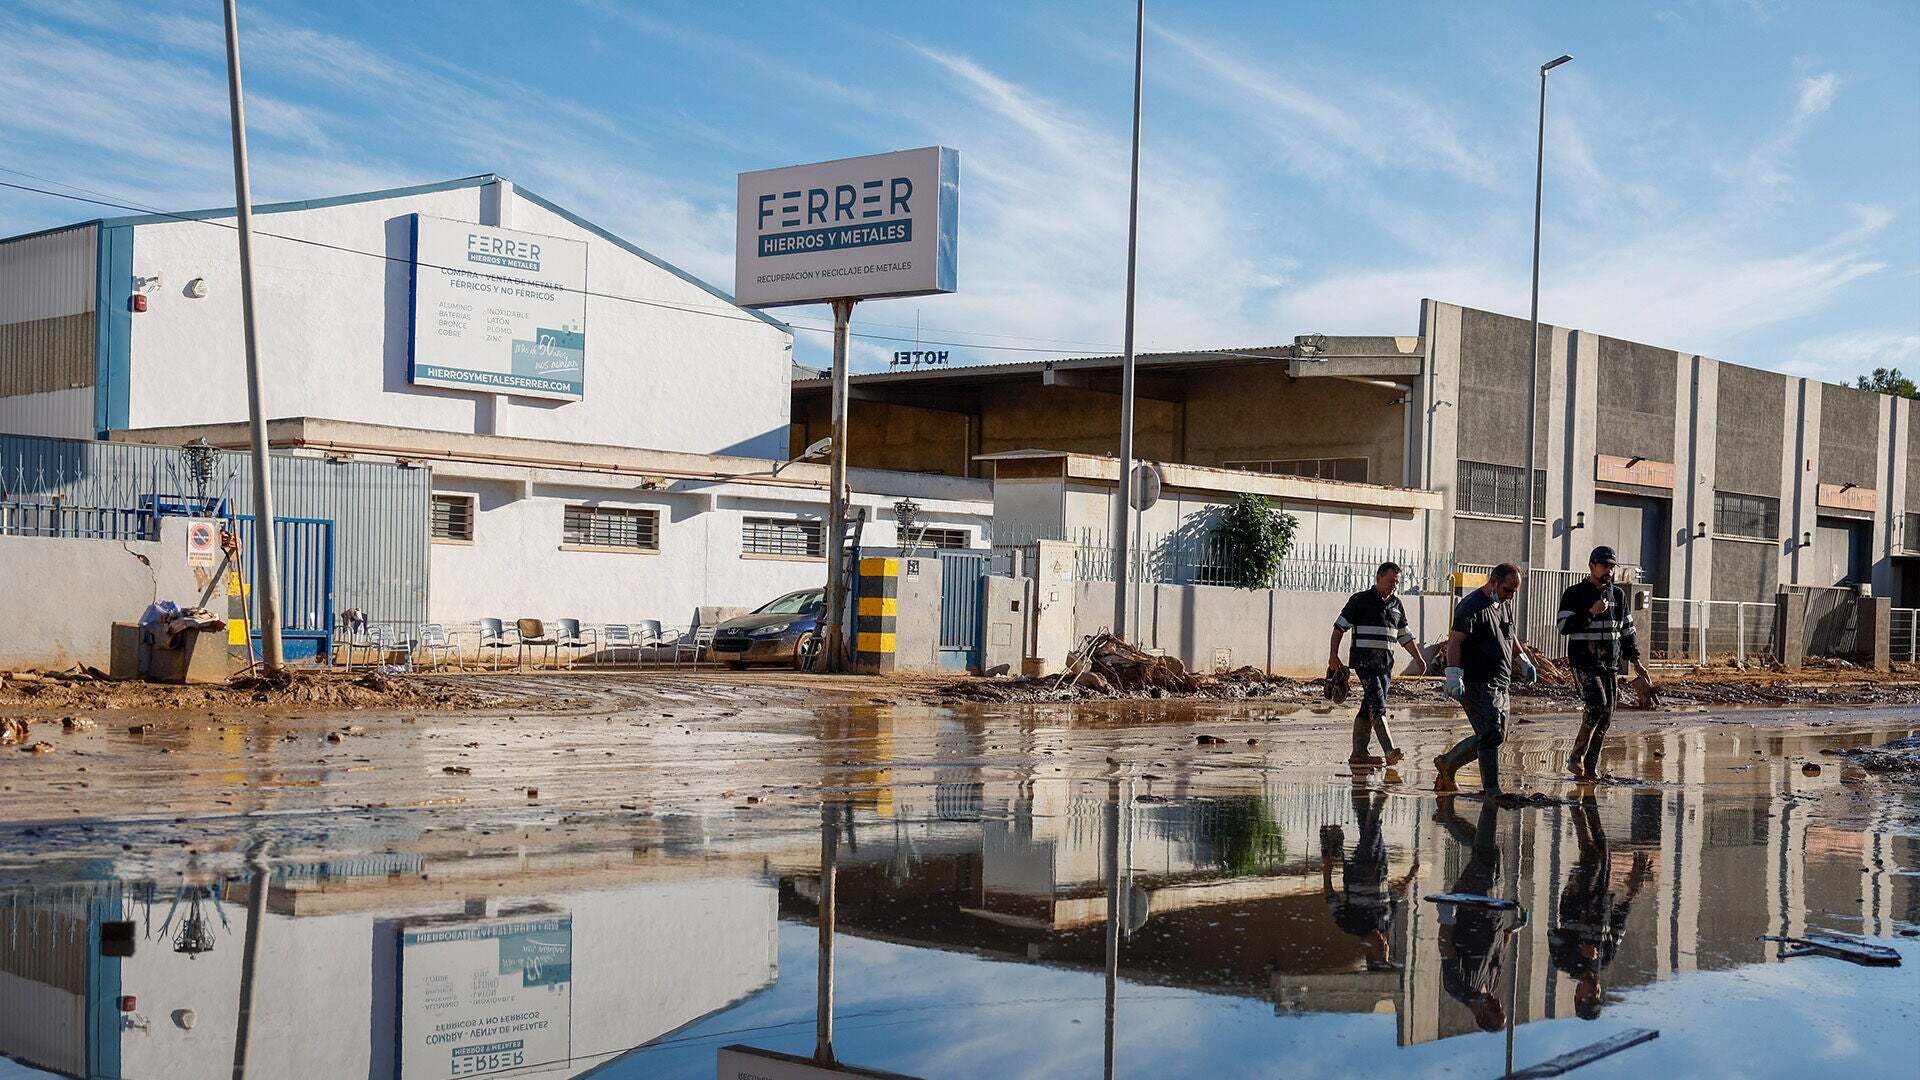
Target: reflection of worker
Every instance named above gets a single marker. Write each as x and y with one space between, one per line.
1482 652
1593 916
1598 624
1378 622
1472 941
1367 903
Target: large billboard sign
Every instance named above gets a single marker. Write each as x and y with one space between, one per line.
485 997
856 228
498 310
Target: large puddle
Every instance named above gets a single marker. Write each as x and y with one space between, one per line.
995 921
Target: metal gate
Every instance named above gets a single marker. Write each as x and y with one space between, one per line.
305 550
963 588
1833 626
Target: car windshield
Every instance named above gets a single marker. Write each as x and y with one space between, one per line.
800 603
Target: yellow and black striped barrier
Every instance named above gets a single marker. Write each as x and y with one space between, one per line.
875 618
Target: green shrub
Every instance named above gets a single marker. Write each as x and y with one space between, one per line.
1253 537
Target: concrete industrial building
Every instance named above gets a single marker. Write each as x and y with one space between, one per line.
1716 481
659 487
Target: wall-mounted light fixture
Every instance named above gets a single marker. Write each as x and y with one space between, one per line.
1634 460
197 288
1700 530
1806 539
1579 521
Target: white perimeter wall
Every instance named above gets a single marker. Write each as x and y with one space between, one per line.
334 337
1280 631
64 594
646 960
1089 507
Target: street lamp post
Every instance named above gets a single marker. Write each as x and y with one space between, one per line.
1122 558
1533 343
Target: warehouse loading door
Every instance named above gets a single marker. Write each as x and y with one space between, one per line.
1635 526
1840 552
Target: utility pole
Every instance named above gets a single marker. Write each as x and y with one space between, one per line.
266 567
837 495
1533 344
1122 553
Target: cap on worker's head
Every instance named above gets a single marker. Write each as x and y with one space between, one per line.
1603 554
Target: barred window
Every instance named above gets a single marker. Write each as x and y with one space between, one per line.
453 517
940 538
1746 515
1351 469
614 527
1499 490
783 536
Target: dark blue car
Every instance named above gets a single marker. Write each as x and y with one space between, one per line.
782 632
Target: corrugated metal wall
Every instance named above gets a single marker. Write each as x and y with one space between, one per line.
47 296
379 511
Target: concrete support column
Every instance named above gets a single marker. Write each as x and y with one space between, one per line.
1440 325
1561 463
1890 479
1583 434
1801 487
1873 645
1696 412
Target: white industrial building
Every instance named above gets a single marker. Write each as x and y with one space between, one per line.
647 479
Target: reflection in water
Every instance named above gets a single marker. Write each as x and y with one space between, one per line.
941 922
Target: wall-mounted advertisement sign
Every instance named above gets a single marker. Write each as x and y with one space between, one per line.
487 997
498 310
856 228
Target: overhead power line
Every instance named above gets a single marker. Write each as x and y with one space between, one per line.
96 198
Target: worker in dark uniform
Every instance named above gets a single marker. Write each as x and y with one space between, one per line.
1593 914
1598 624
1378 622
1473 942
1483 654
1367 901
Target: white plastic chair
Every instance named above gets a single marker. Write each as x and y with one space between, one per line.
701 641
615 638
434 640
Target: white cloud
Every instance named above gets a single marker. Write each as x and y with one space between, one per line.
1816 95
1843 356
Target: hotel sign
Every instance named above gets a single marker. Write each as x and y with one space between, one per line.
857 228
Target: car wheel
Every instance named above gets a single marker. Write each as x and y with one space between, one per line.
801 648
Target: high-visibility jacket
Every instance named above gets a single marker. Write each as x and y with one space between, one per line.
1378 625
1597 643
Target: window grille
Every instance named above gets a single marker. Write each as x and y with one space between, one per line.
453 517
615 527
783 536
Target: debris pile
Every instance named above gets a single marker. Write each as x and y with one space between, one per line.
88 688
1107 667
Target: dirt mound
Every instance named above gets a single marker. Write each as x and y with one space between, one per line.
87 688
1105 667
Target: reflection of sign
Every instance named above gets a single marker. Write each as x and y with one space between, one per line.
484 998
753 1063
203 542
860 227
498 310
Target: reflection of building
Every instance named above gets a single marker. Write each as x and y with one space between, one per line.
1731 858
647 957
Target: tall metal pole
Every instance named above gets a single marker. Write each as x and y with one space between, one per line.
266 566
1533 345
837 496
1122 555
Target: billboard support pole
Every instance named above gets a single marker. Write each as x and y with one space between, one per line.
837 496
266 568
1122 550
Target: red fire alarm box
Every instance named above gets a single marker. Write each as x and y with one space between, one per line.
139 301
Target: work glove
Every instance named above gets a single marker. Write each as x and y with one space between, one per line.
1528 672
1456 685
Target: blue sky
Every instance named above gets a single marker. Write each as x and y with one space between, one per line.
1730 177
